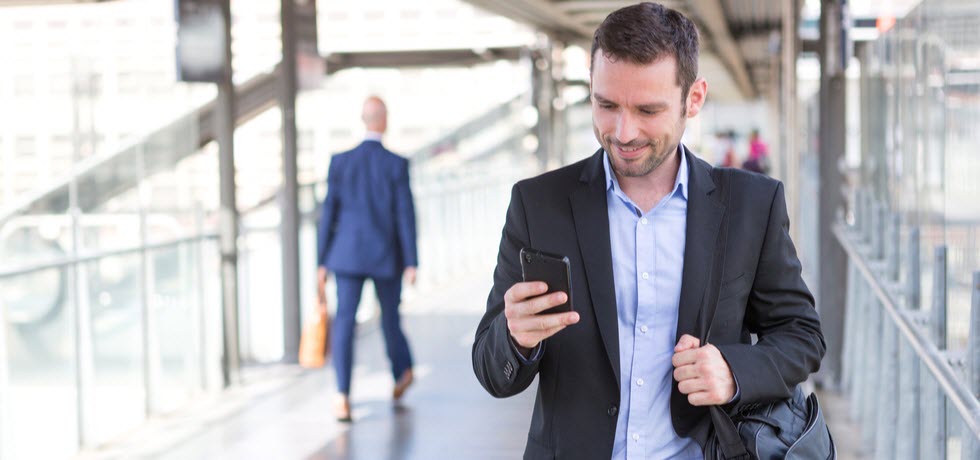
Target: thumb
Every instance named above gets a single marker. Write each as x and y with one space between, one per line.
687 342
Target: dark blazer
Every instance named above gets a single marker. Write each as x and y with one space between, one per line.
367 223
738 253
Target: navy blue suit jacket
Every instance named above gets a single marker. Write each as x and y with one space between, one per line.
367 223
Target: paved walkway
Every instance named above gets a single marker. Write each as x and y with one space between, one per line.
283 412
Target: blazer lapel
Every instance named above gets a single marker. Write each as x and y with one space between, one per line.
591 218
704 217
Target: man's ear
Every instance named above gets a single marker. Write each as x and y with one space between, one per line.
696 96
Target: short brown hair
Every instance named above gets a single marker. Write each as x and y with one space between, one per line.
647 32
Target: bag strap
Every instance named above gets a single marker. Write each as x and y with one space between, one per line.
729 441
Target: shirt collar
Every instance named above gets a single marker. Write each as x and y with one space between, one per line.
679 183
372 136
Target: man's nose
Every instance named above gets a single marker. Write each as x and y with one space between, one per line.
626 128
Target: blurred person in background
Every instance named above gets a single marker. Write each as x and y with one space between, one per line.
653 235
726 149
367 230
758 160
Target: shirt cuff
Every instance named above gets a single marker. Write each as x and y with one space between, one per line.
535 352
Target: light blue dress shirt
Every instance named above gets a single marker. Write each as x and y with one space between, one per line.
648 259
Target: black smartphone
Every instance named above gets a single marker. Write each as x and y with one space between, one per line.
553 269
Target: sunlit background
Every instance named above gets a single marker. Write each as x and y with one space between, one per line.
110 303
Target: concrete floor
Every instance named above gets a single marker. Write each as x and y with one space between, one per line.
283 412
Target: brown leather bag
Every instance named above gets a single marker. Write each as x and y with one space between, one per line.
314 344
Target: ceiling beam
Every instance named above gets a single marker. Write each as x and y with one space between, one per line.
419 58
597 5
712 16
540 14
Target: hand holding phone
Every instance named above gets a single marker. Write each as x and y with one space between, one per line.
526 304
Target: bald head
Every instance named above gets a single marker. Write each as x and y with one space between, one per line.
375 114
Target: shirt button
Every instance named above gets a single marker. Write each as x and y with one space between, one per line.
639 382
643 221
643 329
636 437
645 275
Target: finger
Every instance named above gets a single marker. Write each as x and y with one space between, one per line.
704 398
521 291
539 323
687 342
692 386
684 358
542 303
686 373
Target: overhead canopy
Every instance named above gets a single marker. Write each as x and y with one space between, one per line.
735 34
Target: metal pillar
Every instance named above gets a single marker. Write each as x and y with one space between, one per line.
559 121
833 260
542 96
289 196
789 154
971 445
228 212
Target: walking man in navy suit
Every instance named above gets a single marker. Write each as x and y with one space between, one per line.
367 230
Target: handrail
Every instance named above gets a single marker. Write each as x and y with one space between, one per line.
89 257
955 390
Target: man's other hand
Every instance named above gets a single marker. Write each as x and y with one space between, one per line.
702 373
523 302
410 275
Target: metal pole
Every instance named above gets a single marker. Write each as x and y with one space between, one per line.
934 444
850 323
201 285
789 154
908 423
76 278
895 244
542 91
289 198
886 415
878 238
4 384
911 380
833 261
939 297
913 282
872 366
145 310
860 337
971 447
228 213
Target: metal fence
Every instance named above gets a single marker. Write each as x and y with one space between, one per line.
914 397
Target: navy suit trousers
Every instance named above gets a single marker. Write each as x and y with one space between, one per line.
389 291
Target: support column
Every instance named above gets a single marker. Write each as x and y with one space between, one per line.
542 96
228 212
789 154
832 142
289 195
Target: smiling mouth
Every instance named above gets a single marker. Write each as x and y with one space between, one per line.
629 153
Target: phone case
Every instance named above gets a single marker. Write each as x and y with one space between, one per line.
553 269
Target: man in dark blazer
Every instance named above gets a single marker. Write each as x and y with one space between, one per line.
367 230
654 236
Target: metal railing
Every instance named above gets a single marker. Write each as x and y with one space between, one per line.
913 397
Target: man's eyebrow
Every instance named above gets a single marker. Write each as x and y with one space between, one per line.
654 106
599 98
